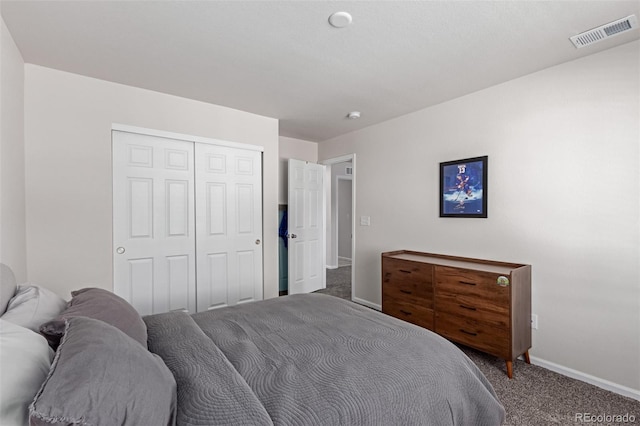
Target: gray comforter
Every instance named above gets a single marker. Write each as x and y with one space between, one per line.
317 360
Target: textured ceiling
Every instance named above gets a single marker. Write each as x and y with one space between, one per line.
282 59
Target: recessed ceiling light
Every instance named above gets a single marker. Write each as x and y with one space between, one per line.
340 19
353 115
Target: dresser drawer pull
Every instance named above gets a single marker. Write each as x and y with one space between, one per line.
471 308
405 312
405 291
468 332
466 283
405 271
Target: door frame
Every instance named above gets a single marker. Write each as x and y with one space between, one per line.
184 137
331 235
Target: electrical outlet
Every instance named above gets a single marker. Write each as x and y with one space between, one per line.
534 321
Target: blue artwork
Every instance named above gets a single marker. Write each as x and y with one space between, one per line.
463 188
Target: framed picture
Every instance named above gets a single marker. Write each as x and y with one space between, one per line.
463 188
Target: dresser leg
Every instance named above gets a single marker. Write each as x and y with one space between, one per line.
526 357
509 369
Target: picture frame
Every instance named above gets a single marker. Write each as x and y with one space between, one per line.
463 187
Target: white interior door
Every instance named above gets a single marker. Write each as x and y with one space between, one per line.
153 225
228 226
306 223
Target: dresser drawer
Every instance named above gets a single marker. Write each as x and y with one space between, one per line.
411 279
473 307
473 333
418 315
411 293
484 287
406 294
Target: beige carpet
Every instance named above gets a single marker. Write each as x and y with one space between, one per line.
338 283
537 396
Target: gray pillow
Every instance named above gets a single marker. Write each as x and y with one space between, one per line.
98 304
100 376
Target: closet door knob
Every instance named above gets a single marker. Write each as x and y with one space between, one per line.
293 236
257 242
120 250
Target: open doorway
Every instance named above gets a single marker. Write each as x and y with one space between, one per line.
340 202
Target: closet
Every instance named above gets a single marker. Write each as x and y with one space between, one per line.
187 221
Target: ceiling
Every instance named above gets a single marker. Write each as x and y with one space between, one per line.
282 59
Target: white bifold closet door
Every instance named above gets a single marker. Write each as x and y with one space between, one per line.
187 223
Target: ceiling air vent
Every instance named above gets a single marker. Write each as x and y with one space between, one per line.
605 31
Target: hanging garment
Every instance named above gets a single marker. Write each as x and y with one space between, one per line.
283 229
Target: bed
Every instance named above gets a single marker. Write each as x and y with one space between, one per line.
297 360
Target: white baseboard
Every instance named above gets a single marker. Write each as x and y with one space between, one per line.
366 303
596 381
332 266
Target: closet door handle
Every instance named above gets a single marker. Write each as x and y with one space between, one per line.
257 242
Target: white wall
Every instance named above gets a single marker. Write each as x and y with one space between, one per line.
12 184
68 122
297 149
563 196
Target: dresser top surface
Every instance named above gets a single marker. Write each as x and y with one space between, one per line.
481 265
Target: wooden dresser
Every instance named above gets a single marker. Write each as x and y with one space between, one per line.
482 304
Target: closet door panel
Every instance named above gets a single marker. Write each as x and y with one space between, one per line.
216 208
177 196
140 207
213 283
140 284
245 210
246 276
228 225
180 272
153 222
